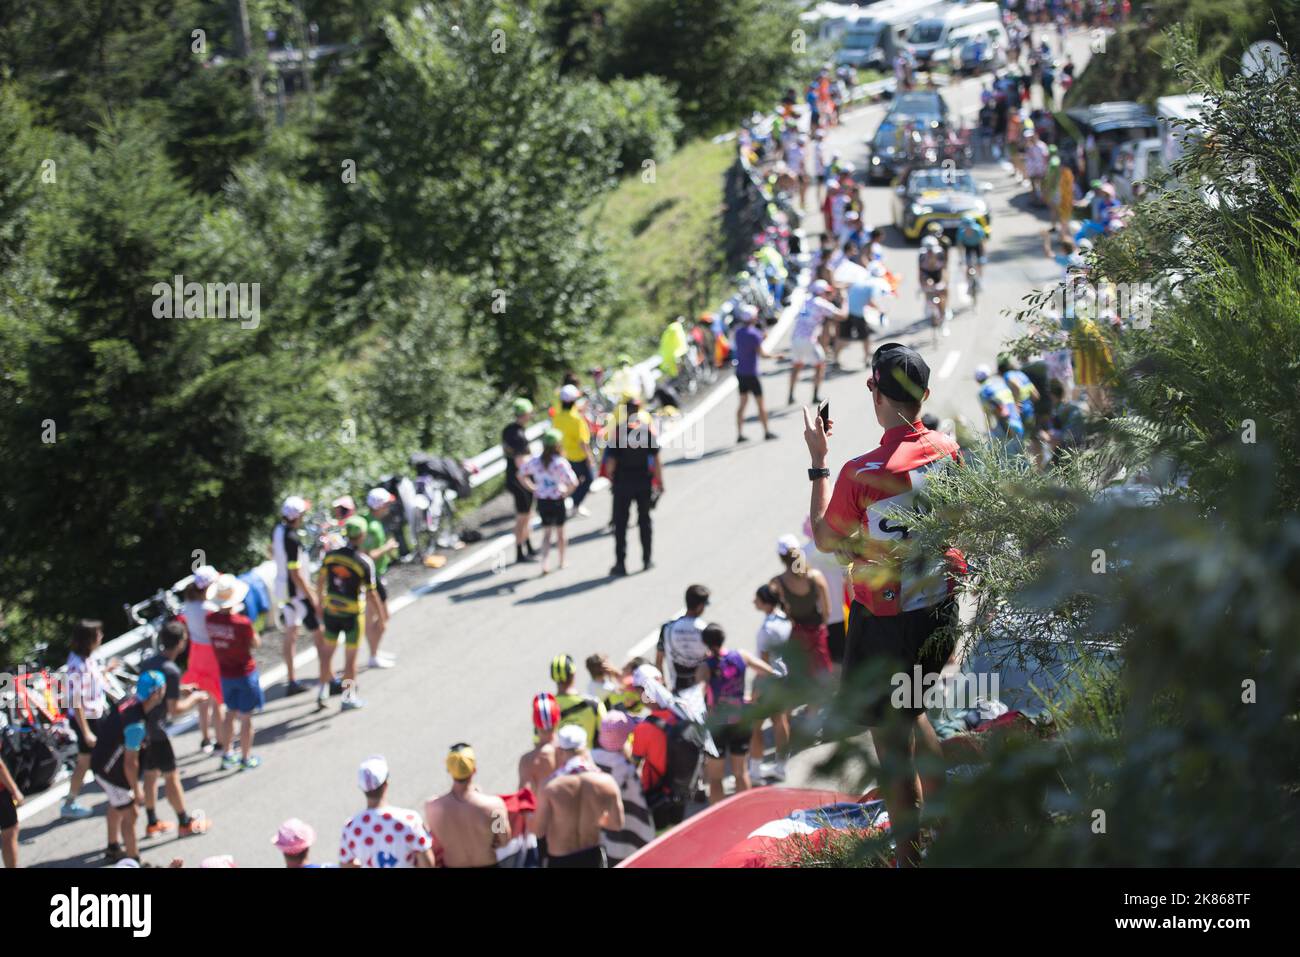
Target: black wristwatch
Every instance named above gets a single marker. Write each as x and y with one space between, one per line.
815 474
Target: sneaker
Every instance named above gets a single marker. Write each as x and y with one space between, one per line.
207 747
647 565
756 776
322 698
198 824
253 761
293 689
75 811
618 571
229 761
769 436
778 770
352 703
522 557
158 827
741 438
336 686
114 853
381 661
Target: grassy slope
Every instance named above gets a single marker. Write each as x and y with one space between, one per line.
664 241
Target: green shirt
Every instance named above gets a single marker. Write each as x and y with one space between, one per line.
376 538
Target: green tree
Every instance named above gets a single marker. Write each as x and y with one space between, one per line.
723 60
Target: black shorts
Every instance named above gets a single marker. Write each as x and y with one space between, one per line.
732 739
8 813
750 384
835 641
936 275
854 327
899 642
82 747
159 756
591 857
552 512
973 254
381 589
347 625
523 497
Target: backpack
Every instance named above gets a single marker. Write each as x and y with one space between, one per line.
686 741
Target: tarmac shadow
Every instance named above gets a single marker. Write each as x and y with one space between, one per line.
565 591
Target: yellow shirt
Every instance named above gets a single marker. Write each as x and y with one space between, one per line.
574 433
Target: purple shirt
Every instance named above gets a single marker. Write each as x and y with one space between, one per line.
727 679
749 338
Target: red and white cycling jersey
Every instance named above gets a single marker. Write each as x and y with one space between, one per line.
869 494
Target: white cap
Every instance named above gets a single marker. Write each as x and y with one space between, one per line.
205 576
748 312
644 674
821 286
373 772
570 393
571 737
982 373
378 497
877 268
1084 246
786 544
294 506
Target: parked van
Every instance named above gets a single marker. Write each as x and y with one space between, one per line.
875 38
931 40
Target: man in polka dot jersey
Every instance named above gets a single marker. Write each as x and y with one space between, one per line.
383 835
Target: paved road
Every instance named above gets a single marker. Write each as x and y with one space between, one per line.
475 648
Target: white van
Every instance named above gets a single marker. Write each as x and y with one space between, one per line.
932 39
874 39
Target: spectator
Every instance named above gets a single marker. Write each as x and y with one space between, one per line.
159 758
902 601
233 640
575 443
666 793
538 764
773 637
203 671
467 826
87 704
681 650
806 598
576 805
749 348
612 757
344 574
10 800
380 546
723 672
550 479
581 709
383 835
294 840
115 761
605 678
300 606
514 445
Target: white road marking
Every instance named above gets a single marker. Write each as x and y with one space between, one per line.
949 364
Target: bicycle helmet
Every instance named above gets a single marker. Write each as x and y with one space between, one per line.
561 669
546 712
934 230
930 242
981 373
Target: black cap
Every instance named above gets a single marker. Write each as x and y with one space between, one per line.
899 372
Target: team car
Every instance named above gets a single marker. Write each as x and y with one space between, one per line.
938 194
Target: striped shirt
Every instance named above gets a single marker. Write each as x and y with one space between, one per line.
638 826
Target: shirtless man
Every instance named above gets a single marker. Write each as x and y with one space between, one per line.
467 825
540 763
576 803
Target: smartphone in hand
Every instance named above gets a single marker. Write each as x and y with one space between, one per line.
824 413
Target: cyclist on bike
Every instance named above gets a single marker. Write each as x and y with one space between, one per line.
970 239
1000 406
932 267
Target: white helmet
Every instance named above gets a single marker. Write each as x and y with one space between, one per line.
929 242
982 373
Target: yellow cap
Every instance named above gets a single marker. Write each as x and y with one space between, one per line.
461 762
